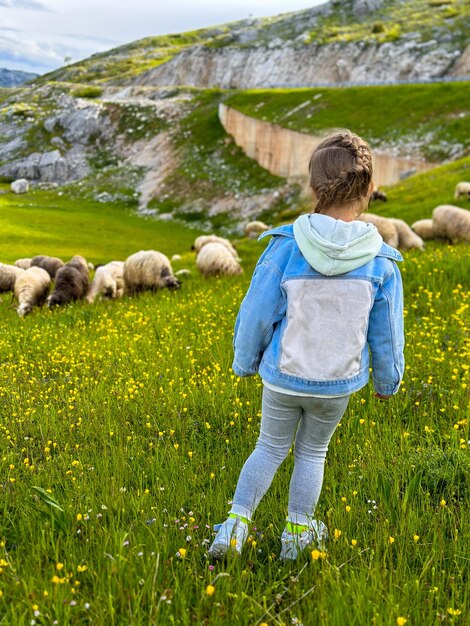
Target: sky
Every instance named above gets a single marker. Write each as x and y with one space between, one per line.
41 35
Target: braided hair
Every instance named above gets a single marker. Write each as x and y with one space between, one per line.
340 170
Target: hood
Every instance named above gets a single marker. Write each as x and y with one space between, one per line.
335 247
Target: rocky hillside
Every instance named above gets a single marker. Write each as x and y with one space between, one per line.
346 41
13 78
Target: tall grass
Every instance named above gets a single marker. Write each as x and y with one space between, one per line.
122 433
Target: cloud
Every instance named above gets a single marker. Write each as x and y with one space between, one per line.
20 51
33 5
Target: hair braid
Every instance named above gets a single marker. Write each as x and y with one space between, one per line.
340 170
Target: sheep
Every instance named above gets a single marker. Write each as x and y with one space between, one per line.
71 282
183 272
148 270
385 227
254 229
24 264
8 276
49 263
407 239
378 195
424 229
31 289
462 189
451 222
204 239
108 281
176 257
215 259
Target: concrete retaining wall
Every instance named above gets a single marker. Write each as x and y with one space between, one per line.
286 152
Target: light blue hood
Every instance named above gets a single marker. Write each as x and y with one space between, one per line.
335 247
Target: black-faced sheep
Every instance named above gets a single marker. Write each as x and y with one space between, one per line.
107 282
451 222
255 228
71 282
215 259
148 270
205 239
31 289
462 190
407 239
385 227
8 276
378 195
424 229
49 263
23 263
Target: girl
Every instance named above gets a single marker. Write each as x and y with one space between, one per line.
325 292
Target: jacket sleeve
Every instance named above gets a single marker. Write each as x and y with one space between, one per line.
263 306
386 334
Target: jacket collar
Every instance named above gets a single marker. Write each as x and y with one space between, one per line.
389 252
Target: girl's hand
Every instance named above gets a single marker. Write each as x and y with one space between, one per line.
382 397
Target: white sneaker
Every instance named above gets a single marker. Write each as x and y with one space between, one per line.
231 535
293 543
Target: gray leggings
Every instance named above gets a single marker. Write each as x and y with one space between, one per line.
316 419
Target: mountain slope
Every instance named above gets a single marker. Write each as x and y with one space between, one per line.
13 78
349 41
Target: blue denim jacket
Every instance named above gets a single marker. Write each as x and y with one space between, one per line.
310 333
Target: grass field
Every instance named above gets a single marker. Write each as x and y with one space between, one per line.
43 222
123 430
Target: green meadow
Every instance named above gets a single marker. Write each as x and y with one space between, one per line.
123 430
44 222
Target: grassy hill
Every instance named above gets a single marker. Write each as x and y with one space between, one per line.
432 119
43 222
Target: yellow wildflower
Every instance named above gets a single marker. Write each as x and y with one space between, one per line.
210 589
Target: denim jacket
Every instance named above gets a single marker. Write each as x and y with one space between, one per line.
311 333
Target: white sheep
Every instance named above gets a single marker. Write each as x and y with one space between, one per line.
255 228
8 276
107 282
148 270
386 228
23 263
31 289
407 239
215 259
205 239
451 222
462 189
424 229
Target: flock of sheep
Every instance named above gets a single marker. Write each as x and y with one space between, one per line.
448 223
148 270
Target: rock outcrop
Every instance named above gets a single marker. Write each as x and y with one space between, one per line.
298 65
75 125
